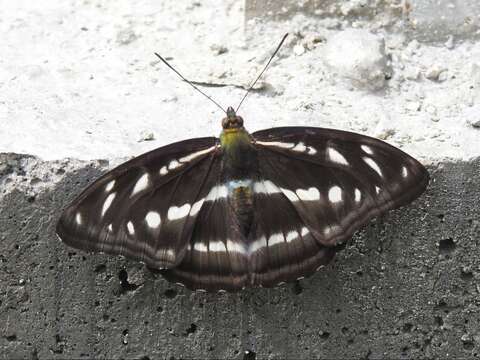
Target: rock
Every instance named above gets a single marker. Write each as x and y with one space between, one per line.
434 72
218 49
450 44
125 37
472 116
359 56
146 135
298 50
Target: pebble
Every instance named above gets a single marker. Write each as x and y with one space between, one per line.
298 50
218 49
434 72
449 44
472 116
125 37
146 135
358 56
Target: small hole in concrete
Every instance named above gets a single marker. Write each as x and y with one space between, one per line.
468 345
441 217
100 268
297 288
446 245
12 337
191 329
344 330
407 327
324 335
125 337
466 275
123 277
170 293
159 309
249 355
438 320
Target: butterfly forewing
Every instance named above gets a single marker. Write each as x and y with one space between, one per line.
144 209
337 180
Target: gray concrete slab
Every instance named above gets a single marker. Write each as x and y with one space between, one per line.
426 20
406 286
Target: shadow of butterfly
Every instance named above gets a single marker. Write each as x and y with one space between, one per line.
244 209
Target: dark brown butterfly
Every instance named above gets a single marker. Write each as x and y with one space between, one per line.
243 209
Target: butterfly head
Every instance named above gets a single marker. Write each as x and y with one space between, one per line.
232 121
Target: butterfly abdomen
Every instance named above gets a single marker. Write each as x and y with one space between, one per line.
239 168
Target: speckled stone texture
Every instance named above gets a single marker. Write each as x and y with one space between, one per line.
406 286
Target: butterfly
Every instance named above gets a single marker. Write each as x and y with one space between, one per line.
243 209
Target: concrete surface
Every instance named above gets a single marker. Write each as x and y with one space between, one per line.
433 21
407 286
79 83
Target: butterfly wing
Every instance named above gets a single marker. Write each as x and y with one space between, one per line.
145 208
318 187
337 180
216 257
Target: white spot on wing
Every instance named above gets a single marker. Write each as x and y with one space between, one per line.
370 162
153 219
358 195
304 231
196 207
290 195
331 229
300 147
377 189
196 154
78 218
367 149
170 253
107 203
276 144
200 246
292 235
217 192
110 186
216 246
336 157
311 150
173 165
163 170
265 187
142 184
130 228
276 239
271 187
233 246
404 171
257 245
175 212
335 194
110 228
312 194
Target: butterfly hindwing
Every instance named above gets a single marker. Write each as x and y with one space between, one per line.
337 180
145 208
216 257
282 247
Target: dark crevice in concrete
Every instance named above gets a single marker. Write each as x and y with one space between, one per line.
125 285
446 245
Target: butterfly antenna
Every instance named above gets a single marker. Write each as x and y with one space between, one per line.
189 82
264 69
